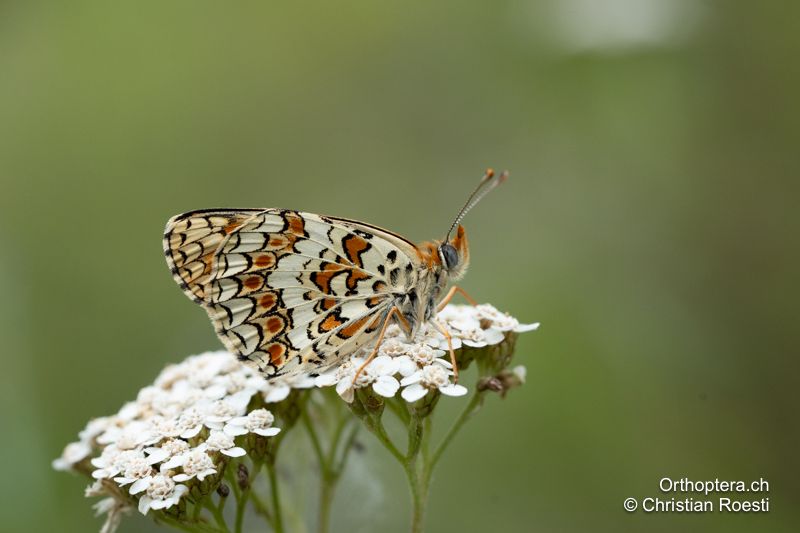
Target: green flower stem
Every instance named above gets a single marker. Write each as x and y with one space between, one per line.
195 528
419 497
242 497
332 463
329 479
416 469
326 480
241 502
216 512
472 407
312 434
376 427
348 445
398 407
277 522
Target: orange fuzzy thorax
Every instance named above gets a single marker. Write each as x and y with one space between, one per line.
429 253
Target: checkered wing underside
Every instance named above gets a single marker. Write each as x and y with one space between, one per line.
289 292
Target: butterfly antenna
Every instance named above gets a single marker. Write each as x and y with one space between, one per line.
489 181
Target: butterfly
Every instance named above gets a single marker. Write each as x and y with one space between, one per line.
297 293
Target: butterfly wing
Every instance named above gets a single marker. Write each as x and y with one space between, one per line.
190 241
296 292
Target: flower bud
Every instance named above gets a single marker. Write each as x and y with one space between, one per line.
242 476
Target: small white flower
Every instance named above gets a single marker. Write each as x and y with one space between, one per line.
167 450
393 331
137 471
236 382
219 441
434 338
502 321
162 493
95 427
428 378
479 338
258 421
419 356
379 373
171 375
128 412
394 347
191 422
112 461
73 453
221 411
195 463
113 508
130 436
95 489
163 427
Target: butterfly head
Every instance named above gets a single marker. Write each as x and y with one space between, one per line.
454 254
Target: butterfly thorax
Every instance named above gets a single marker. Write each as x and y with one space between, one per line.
438 265
418 304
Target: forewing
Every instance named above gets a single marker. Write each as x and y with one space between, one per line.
296 292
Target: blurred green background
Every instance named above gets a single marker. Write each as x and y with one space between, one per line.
649 224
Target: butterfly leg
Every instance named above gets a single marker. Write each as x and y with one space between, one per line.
449 347
393 311
449 296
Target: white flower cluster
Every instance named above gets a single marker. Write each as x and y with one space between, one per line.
177 430
424 365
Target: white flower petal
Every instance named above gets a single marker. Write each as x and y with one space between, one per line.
413 392
443 362
180 477
527 327
205 473
144 504
234 430
277 393
383 365
345 389
234 452
474 344
405 366
156 455
215 392
191 432
174 462
268 432
453 390
493 336
386 386
325 380
140 485
413 378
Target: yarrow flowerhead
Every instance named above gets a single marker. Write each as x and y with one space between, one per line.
207 415
172 436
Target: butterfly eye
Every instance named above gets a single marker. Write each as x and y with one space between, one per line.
448 255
